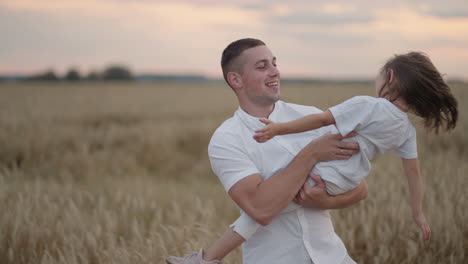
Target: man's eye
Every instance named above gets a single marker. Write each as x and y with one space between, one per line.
261 67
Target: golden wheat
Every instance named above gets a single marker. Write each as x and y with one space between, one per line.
118 173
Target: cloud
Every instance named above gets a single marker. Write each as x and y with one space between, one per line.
326 14
321 19
449 13
443 9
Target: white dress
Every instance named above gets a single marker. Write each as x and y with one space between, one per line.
381 128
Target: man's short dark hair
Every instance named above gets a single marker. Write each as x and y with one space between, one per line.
233 51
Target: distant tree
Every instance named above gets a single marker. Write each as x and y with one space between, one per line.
72 75
47 76
117 72
93 76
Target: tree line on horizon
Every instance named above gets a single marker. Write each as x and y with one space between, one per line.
110 73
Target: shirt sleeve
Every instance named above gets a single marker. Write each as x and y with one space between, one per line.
409 148
229 159
352 114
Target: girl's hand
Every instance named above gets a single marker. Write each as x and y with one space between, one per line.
423 225
267 132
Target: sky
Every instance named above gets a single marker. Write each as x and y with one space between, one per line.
312 39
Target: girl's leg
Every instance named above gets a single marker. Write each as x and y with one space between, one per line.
229 241
333 188
239 231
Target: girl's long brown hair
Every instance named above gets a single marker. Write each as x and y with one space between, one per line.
420 84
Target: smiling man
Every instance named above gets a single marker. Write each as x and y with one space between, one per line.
263 179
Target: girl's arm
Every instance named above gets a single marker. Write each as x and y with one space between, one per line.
411 167
303 124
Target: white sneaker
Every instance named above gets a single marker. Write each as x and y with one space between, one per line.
192 258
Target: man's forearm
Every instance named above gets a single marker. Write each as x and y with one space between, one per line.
275 193
264 199
346 199
317 196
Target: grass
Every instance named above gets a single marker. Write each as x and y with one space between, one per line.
118 173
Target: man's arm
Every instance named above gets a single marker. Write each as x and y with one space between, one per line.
317 196
264 199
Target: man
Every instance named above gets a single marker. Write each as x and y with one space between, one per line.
264 178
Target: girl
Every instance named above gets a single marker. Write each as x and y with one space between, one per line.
406 83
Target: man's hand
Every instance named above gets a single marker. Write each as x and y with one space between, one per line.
313 196
317 197
331 147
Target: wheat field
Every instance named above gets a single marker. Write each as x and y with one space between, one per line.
118 173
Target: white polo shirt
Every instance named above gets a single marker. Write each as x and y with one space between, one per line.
298 236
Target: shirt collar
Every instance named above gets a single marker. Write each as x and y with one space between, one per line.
252 122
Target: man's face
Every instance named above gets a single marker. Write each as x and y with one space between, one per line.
260 77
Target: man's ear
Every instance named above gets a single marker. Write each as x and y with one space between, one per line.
392 76
234 80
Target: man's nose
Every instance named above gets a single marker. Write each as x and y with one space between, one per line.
274 71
